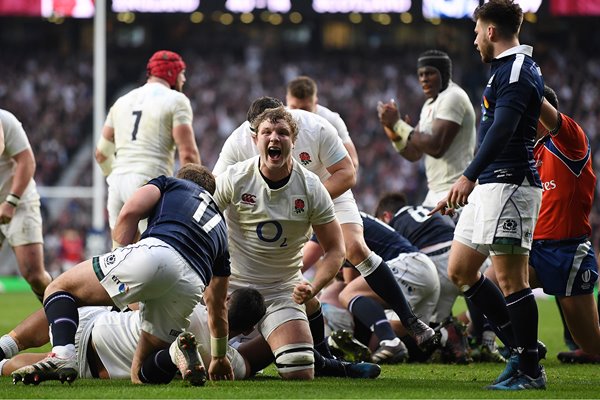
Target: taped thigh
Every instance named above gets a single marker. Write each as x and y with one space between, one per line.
294 357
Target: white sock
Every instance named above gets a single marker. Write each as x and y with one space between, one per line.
392 343
66 351
2 362
9 346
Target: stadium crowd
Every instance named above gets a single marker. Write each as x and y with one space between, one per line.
58 104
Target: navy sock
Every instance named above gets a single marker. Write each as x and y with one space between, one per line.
317 330
63 318
383 282
489 300
371 314
328 366
524 316
158 368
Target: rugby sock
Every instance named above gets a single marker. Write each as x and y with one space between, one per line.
489 300
158 368
8 347
524 316
63 318
317 330
568 339
362 333
383 282
415 354
328 366
371 314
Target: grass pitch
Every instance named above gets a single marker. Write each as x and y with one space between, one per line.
397 381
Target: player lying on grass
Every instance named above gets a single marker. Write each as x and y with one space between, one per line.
106 342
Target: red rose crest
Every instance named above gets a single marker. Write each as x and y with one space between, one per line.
298 206
305 158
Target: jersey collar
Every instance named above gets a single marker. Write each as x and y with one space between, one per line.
520 49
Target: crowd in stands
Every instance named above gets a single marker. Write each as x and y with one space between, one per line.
51 93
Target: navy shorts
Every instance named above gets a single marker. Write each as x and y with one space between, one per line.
564 267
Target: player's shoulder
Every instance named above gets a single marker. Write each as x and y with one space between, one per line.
326 113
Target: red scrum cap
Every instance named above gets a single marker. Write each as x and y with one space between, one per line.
166 65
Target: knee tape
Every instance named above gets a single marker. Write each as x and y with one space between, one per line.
294 357
369 264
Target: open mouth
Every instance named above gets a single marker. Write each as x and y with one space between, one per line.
274 153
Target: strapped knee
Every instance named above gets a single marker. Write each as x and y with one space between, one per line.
294 357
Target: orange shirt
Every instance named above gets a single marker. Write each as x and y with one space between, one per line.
564 162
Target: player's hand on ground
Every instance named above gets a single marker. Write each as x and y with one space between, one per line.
303 292
220 369
7 212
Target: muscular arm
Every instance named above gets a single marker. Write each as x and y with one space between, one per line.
343 177
108 133
331 239
549 116
436 144
215 297
23 172
135 209
353 154
185 141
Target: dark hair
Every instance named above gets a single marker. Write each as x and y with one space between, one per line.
550 95
438 60
276 115
246 308
198 174
261 104
390 202
506 15
303 87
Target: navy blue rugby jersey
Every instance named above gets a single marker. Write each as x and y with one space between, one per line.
383 239
420 229
187 218
516 82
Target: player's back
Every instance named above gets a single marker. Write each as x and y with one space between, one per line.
383 239
421 229
143 122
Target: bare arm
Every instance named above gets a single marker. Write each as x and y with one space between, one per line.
1 139
331 239
215 297
108 133
353 154
548 116
23 173
135 209
185 141
343 177
436 144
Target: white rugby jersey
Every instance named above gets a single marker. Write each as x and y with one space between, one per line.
15 141
143 120
452 104
334 119
267 228
317 146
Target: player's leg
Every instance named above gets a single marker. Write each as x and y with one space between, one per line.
18 361
582 320
380 278
31 332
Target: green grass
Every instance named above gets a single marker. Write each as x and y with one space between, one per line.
399 381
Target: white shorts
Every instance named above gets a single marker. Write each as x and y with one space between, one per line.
120 188
87 317
448 290
25 226
336 318
499 214
418 278
155 274
278 299
346 210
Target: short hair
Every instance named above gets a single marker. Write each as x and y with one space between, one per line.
390 202
246 309
275 115
198 174
302 87
506 15
550 95
261 104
